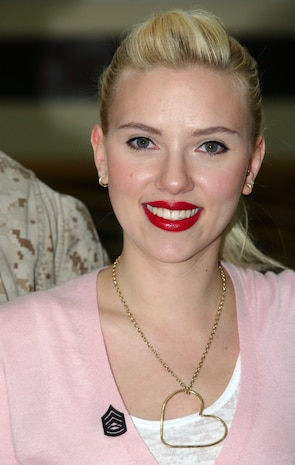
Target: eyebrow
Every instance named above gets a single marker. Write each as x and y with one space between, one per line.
140 126
198 132
214 129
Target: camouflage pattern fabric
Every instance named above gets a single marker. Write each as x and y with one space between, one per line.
46 237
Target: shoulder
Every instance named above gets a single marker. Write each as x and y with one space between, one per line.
39 318
46 237
264 290
22 190
278 282
43 304
13 169
43 326
15 180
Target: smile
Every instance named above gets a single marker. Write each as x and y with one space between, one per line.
172 216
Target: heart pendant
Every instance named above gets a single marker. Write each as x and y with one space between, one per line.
201 414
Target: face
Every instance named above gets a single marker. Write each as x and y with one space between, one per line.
177 156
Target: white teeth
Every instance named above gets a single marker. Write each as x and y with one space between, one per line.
172 215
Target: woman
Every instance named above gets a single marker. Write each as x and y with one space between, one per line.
189 358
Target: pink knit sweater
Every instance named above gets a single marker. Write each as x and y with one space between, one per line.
59 403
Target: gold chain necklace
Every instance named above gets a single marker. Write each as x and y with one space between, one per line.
185 389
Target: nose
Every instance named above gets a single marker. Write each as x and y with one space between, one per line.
175 175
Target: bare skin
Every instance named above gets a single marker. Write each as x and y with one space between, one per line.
143 382
186 142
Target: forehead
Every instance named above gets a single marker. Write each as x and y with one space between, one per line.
191 93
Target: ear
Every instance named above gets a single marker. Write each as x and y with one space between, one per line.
254 166
98 146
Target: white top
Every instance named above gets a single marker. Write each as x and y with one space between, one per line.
192 429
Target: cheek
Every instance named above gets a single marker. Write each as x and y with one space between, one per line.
122 180
119 173
126 176
232 185
225 191
124 190
225 184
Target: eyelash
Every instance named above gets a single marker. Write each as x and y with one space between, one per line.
222 148
133 141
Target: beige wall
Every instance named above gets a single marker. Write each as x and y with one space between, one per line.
63 17
62 128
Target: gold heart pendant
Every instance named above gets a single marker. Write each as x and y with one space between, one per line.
201 414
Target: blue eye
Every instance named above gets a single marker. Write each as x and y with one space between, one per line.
140 143
213 147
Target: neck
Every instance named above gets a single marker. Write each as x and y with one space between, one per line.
158 288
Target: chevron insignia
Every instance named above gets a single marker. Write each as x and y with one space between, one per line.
113 422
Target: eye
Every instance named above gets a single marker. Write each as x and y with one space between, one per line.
140 143
213 147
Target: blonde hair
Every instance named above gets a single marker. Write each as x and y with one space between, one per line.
178 39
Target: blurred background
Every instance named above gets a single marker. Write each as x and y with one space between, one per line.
51 56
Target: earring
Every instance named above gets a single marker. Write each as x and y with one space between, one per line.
250 185
100 181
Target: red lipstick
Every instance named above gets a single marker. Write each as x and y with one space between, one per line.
172 216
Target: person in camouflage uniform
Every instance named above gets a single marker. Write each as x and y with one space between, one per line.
46 237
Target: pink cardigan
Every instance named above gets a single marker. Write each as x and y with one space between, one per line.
56 384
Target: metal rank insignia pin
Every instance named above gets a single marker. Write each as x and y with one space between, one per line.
113 422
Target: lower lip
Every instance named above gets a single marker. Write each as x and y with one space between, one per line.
172 226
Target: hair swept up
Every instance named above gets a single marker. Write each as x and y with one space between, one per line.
177 39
